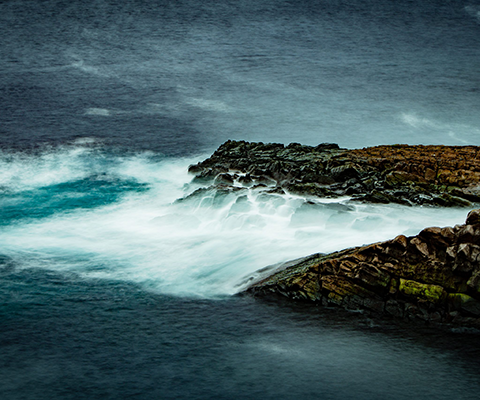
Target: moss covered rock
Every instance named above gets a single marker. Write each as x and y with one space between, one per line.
434 276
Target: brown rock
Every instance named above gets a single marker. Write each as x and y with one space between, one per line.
424 277
434 175
401 240
420 246
473 217
430 174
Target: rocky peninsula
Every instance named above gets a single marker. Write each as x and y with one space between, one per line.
412 175
433 276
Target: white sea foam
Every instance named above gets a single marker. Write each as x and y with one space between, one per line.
23 172
85 141
98 111
203 246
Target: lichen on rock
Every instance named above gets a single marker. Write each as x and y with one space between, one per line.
433 175
434 276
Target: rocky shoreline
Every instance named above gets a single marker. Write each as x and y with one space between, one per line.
433 276
412 175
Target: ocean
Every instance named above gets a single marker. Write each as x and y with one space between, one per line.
114 284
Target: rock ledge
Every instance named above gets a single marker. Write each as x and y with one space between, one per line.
434 276
411 175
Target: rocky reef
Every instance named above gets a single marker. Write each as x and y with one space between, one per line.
411 175
434 276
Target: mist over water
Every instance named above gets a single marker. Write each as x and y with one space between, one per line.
117 278
134 218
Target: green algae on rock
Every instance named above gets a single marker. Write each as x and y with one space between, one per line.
433 276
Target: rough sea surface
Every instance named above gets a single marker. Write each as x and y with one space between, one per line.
111 287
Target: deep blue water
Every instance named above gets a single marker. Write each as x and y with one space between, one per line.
179 76
66 338
111 288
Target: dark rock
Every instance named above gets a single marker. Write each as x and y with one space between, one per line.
446 176
245 180
473 217
434 276
327 146
224 178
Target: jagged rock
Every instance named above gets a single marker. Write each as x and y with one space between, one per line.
447 176
434 276
473 217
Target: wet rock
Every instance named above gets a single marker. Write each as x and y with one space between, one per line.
394 308
463 302
224 179
446 176
473 217
245 180
431 277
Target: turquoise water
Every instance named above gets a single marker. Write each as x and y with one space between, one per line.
112 288
85 210
114 283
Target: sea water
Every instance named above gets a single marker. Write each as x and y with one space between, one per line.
118 280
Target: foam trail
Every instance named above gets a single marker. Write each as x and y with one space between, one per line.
456 132
202 246
103 112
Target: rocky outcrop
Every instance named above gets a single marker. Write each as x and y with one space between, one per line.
433 175
434 276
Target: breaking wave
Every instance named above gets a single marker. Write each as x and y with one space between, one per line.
80 209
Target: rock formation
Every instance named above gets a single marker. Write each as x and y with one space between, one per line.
434 276
411 175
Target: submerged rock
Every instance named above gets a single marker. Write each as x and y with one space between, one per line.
434 276
432 175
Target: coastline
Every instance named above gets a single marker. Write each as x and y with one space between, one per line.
446 176
433 276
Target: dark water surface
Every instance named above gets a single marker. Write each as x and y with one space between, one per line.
179 76
66 338
110 288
